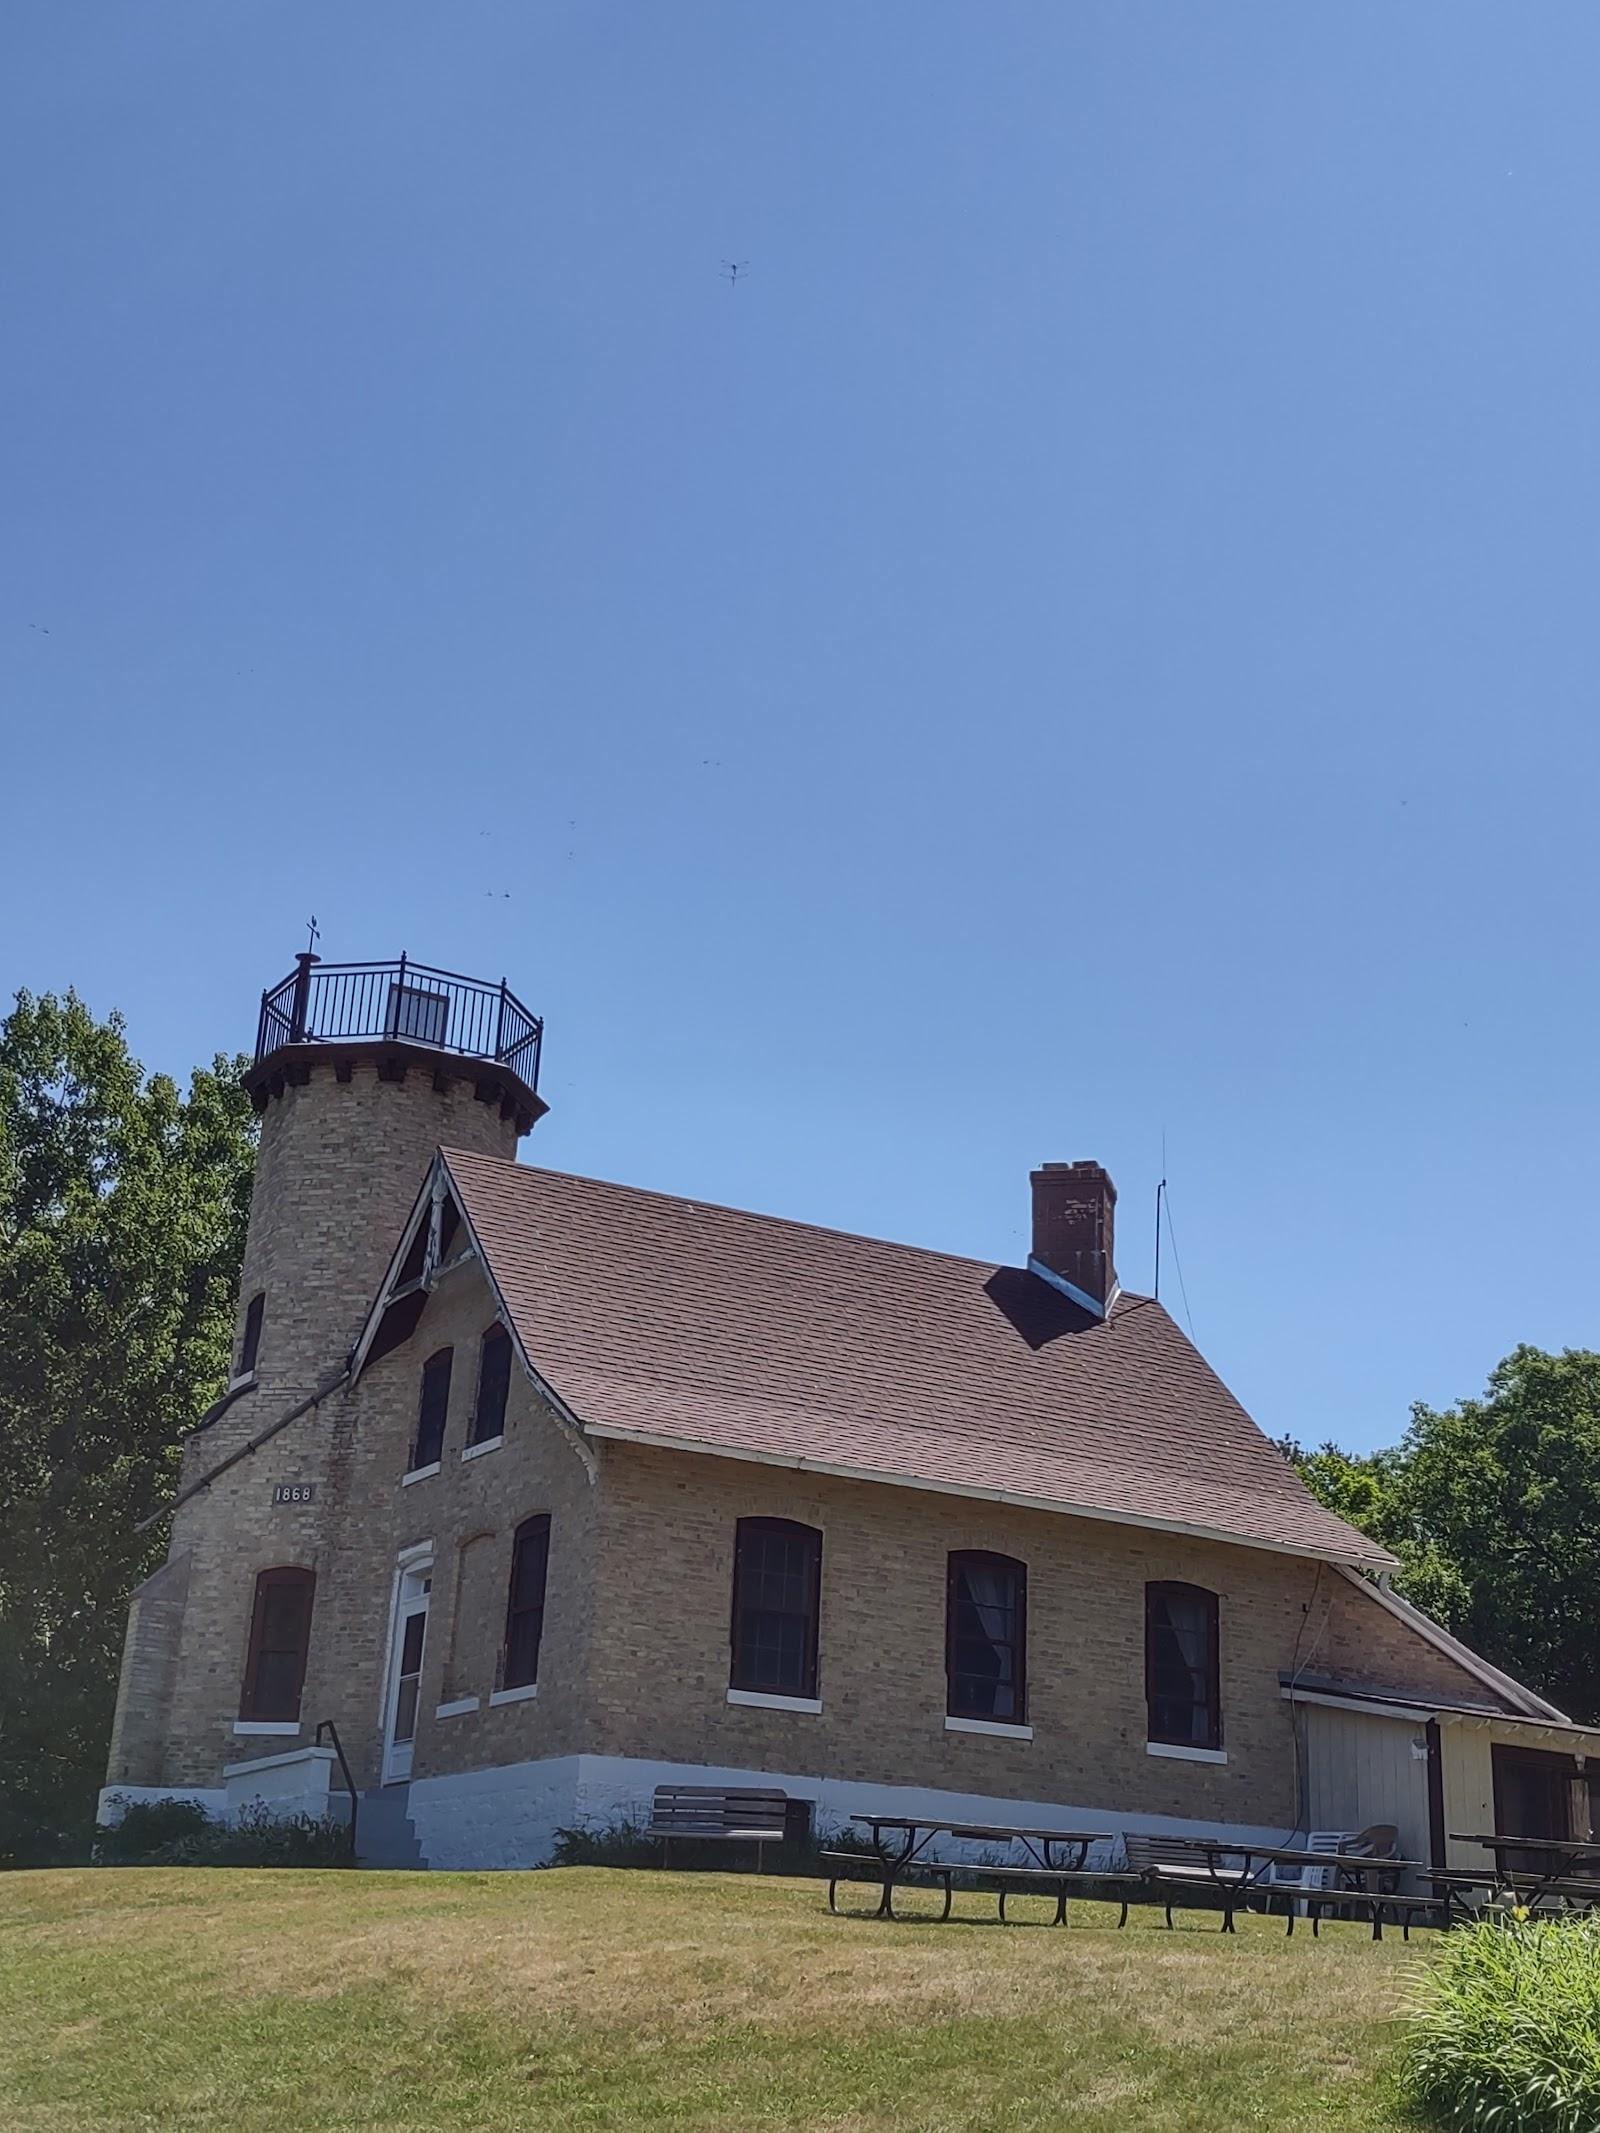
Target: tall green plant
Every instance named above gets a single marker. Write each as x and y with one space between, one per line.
1505 2037
122 1213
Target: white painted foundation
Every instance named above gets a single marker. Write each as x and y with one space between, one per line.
507 1817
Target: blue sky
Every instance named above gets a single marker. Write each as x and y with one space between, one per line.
1094 639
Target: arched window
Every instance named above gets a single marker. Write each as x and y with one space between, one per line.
777 1581
986 1636
530 1564
1182 1670
250 1340
432 1409
280 1637
494 1382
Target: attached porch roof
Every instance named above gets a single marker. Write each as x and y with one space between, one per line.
1387 1702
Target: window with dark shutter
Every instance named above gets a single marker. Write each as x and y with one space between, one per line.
250 1343
280 1637
1182 1672
494 1382
986 1631
777 1579
530 1565
432 1409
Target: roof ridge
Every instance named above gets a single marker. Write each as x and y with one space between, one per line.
753 1214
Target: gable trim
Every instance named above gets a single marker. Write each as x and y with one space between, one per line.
575 1431
435 1186
653 1439
1424 1626
388 1293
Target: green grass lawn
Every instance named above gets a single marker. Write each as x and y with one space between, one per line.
143 1998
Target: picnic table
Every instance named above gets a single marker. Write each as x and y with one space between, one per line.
901 1851
1239 1871
1563 1861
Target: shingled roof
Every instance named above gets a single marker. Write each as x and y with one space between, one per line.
710 1330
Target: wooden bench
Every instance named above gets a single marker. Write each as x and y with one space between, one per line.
868 1868
1170 1866
742 1814
1400 1910
1059 1882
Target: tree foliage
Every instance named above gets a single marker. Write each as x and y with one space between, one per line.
122 1214
1493 1509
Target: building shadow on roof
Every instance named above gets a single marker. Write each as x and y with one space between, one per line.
1038 1312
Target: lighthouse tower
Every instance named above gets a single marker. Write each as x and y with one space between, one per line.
361 1071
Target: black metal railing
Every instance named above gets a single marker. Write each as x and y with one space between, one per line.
327 1726
405 1002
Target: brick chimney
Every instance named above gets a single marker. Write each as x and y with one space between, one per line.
1073 1232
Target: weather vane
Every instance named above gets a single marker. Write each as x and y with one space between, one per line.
732 269
316 935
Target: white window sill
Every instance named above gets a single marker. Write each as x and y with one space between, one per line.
998 1727
458 1709
239 1384
1181 1754
525 1694
418 1473
759 1701
284 1728
489 1444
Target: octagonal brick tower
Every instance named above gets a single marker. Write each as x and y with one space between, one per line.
362 1070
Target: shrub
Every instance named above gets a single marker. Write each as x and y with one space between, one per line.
181 1833
622 1842
618 1843
1506 2033
149 1832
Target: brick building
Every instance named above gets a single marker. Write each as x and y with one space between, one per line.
546 1491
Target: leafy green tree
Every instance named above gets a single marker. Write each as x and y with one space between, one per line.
1503 1503
1493 1509
122 1215
1362 1487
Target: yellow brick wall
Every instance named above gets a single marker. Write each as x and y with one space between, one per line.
660 1655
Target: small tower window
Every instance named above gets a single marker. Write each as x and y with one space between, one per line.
494 1382
418 1013
280 1637
250 1343
432 1409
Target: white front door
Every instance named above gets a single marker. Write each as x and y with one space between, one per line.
405 1672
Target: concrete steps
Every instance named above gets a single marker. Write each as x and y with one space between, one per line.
384 1833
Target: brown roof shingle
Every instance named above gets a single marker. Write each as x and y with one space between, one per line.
742 1334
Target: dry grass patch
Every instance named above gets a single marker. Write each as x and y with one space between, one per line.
587 1998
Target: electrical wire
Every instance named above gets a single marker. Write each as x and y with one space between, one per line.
1172 1239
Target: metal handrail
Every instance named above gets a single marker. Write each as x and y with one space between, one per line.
400 1002
327 1726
